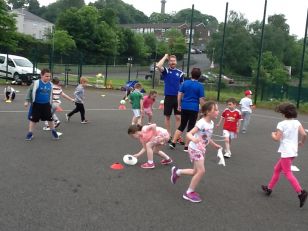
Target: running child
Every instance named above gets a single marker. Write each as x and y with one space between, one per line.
40 101
200 137
231 126
79 101
152 139
291 134
246 109
148 102
136 99
57 92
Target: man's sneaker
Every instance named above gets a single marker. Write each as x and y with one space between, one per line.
29 136
174 177
302 198
180 141
170 140
266 190
67 117
166 162
193 197
227 154
172 145
185 149
57 123
84 121
148 165
54 134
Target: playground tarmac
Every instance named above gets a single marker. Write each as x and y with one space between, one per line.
68 185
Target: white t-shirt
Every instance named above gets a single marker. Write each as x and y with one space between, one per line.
205 130
289 142
246 104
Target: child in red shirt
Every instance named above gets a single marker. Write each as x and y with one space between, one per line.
232 121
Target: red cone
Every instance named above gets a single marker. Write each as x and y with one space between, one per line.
117 166
122 107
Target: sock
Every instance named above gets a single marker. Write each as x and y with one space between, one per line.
189 190
150 161
178 172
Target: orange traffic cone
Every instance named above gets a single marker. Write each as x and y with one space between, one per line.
117 166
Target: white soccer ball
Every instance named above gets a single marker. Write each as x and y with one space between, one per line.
129 159
122 101
162 101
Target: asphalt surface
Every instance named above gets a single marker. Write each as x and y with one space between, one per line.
68 184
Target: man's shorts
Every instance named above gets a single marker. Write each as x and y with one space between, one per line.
171 104
41 112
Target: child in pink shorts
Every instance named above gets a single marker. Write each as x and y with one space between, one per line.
152 138
148 102
200 137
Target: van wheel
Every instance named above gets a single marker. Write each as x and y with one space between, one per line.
16 77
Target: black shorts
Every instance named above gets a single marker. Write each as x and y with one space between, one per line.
171 103
41 112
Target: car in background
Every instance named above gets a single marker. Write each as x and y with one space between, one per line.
195 51
18 68
227 79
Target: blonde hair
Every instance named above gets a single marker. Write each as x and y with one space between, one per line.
83 80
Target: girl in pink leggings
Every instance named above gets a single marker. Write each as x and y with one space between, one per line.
291 134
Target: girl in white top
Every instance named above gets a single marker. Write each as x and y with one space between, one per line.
200 137
291 134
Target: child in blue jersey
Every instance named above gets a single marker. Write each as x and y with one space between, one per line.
40 100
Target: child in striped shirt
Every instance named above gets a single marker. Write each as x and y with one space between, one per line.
57 92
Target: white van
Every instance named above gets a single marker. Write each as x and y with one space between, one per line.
17 68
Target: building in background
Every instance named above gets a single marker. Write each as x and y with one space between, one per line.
30 24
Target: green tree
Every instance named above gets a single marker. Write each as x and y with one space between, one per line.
239 49
7 29
124 13
53 10
176 42
62 43
159 18
93 37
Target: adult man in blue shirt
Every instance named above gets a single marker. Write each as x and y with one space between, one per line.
173 78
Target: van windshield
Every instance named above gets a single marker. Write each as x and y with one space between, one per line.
23 63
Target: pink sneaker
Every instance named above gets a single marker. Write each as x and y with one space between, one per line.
174 176
166 162
192 197
147 165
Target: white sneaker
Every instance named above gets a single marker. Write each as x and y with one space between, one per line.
227 154
67 117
